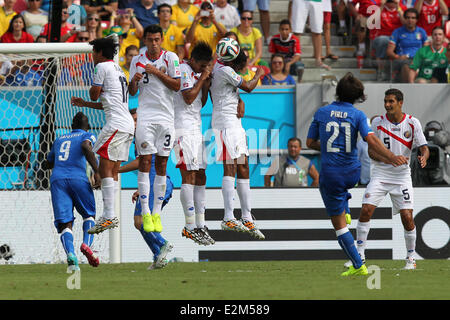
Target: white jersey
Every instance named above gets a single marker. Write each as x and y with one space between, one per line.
187 117
155 98
400 138
114 96
225 97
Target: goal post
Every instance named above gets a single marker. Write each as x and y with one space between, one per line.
37 81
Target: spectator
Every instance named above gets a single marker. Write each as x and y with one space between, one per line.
169 2
341 8
247 72
288 45
82 36
146 12
35 18
250 38
299 10
442 75
16 31
391 19
132 31
292 170
183 14
263 6
22 75
327 9
130 52
68 32
77 13
226 14
104 8
173 39
361 16
94 26
6 14
430 14
277 75
429 58
404 43
205 28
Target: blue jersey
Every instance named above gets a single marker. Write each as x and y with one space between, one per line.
67 156
408 42
336 126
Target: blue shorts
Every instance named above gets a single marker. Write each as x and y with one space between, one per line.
69 193
263 5
334 185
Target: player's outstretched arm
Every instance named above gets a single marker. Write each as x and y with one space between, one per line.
423 156
381 152
79 102
130 166
86 147
191 94
133 85
248 86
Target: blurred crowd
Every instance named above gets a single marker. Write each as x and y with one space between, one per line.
411 35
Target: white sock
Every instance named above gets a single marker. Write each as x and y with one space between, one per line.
159 192
107 186
228 197
362 231
342 23
243 190
144 191
187 201
116 188
199 204
410 241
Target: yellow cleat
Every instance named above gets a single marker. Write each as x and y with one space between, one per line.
361 271
157 222
348 218
148 223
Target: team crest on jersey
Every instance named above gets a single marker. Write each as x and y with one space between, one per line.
144 145
172 38
163 69
407 134
367 195
418 36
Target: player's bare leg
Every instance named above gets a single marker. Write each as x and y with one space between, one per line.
410 237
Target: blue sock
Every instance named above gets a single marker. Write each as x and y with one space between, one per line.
67 241
159 238
88 238
347 243
150 240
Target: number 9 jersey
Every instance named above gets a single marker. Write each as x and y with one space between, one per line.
336 126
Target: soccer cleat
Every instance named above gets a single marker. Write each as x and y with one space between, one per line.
92 258
194 235
157 222
410 264
348 218
205 234
233 225
147 221
6 252
349 263
103 224
161 265
164 251
72 263
252 229
361 271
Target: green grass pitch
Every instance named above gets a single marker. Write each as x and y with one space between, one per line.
270 280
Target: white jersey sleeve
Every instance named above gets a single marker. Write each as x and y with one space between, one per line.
99 75
419 137
230 76
173 65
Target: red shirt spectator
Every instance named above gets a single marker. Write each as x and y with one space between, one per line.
64 31
430 14
364 6
16 32
389 21
288 48
8 37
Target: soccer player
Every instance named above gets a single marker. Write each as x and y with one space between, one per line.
334 132
113 144
400 133
157 244
231 140
156 74
189 145
70 187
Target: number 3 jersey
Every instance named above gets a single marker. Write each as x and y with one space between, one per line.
114 96
67 156
155 98
400 138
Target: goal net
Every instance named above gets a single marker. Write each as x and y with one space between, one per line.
37 81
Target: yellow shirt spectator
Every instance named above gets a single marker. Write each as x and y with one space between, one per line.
208 34
248 75
248 42
183 18
5 19
172 38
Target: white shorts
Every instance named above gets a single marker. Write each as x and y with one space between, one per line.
190 151
154 138
113 145
301 9
402 195
231 143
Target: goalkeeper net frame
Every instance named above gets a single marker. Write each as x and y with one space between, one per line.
37 81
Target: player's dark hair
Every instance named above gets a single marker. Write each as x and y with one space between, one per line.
106 46
17 16
80 121
394 92
231 33
350 89
295 139
153 28
285 22
438 27
164 5
202 52
240 61
411 10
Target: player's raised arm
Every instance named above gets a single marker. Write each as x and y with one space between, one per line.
79 102
377 149
248 86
